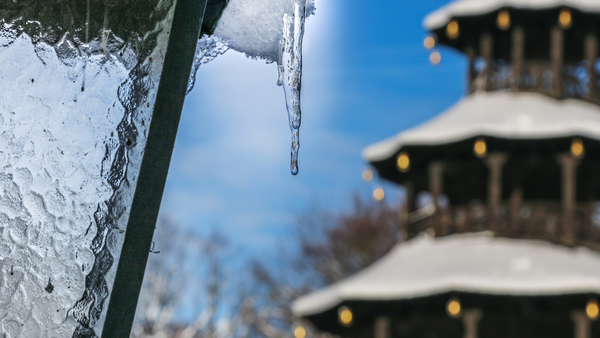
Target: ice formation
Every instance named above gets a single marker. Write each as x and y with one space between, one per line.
74 113
270 30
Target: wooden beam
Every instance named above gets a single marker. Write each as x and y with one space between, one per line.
486 49
382 327
495 162
568 165
516 202
405 209
470 319
436 183
557 38
471 72
591 57
518 54
582 324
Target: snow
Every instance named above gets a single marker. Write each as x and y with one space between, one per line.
270 30
498 114
460 8
475 262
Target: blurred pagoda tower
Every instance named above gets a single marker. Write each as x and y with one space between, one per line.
507 244
520 155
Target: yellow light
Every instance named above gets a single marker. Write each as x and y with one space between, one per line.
452 30
429 42
480 147
435 58
453 308
378 194
591 310
300 332
403 162
367 175
345 316
503 21
565 19
577 148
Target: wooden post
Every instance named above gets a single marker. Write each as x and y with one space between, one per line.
569 194
516 201
406 209
582 324
518 54
382 327
591 55
470 318
495 162
471 72
557 56
486 50
436 183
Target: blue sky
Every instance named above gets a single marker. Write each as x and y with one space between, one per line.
366 77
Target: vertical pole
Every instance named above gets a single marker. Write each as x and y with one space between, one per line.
470 319
436 183
471 73
382 327
582 324
495 162
486 49
557 37
516 200
568 166
518 53
406 209
591 55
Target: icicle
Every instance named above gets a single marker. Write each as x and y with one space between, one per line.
290 71
208 48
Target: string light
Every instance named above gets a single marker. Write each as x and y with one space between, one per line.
480 147
564 19
452 30
299 332
435 58
453 308
592 310
367 175
345 316
429 42
577 148
379 194
503 21
403 162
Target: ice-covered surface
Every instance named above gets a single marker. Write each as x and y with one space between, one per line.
74 111
270 30
498 114
477 263
442 16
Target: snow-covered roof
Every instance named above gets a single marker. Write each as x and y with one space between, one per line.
498 114
443 15
478 263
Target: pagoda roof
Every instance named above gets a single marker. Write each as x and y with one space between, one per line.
475 263
497 114
462 8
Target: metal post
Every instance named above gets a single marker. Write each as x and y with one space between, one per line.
591 55
557 57
486 49
582 325
518 52
470 318
471 72
382 327
568 165
495 162
155 166
516 200
406 209
436 184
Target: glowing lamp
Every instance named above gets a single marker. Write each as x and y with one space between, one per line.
452 30
503 20
435 58
379 194
592 310
403 162
345 316
453 308
429 42
367 175
480 147
299 332
577 148
564 19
